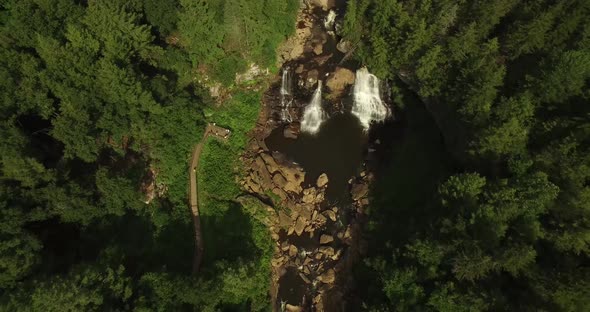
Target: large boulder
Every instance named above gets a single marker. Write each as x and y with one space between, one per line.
340 80
326 239
263 174
299 226
359 191
294 177
293 308
311 78
292 251
305 211
323 4
312 196
330 214
318 49
322 180
284 220
344 46
277 262
328 277
336 256
320 220
294 47
327 251
271 163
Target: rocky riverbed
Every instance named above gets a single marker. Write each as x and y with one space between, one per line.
315 242
317 238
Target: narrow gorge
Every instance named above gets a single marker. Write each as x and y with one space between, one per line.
311 156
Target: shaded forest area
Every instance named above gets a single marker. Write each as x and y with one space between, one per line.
97 97
485 204
494 212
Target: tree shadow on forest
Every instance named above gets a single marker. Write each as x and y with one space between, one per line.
227 235
411 162
404 192
131 240
146 248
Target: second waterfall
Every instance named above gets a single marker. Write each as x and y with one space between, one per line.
286 95
368 106
314 114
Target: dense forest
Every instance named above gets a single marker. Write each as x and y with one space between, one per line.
494 212
97 97
484 204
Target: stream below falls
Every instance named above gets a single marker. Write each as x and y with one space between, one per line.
323 112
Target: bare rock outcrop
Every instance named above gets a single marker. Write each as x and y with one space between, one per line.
339 81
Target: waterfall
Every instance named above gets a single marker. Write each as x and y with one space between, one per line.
286 95
330 20
368 106
314 114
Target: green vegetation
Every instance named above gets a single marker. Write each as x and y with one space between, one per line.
484 205
237 241
95 96
232 31
505 225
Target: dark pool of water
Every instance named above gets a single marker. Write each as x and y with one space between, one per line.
292 287
336 150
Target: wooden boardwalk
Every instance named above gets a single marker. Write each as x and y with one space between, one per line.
219 133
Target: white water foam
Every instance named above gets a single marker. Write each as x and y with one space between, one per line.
314 114
368 106
330 20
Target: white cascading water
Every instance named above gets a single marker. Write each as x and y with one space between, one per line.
286 95
330 20
368 106
314 114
